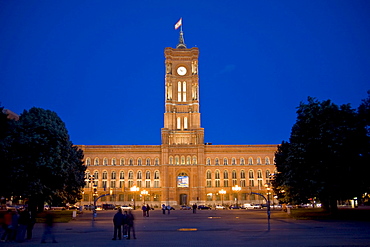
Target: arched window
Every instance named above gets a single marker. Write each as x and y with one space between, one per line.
208 161
250 161
96 175
233 161
156 162
242 162
208 179
217 179
177 160
217 174
156 179
171 160
96 161
267 161
105 175
258 161
179 91
139 175
188 160
113 175
148 162
226 178
242 174
105 162
259 174
216 162
113 161
194 160
121 175
147 175
234 174
184 91
131 175
139 162
225 161
251 178
131 163
178 125
234 180
185 123
182 160
88 161
122 162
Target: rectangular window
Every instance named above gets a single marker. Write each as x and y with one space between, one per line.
209 183
226 183
242 183
156 184
113 184
121 197
122 184
260 184
217 183
147 183
251 182
130 183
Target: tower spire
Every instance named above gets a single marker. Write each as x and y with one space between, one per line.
181 44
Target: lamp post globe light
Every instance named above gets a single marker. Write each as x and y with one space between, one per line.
222 193
236 189
134 189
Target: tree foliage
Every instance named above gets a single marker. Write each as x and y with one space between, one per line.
42 162
325 156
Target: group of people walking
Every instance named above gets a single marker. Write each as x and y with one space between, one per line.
146 210
123 224
17 225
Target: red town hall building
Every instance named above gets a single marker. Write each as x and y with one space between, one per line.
183 170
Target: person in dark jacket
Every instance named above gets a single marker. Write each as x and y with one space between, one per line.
117 221
147 210
125 224
23 221
130 223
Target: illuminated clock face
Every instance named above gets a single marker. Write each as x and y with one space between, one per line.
181 70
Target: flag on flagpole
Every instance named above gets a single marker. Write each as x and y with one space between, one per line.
178 24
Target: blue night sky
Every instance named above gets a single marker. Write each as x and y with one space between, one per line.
100 64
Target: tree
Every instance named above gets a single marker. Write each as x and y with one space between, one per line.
6 130
45 166
323 157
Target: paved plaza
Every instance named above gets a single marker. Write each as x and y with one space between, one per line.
207 228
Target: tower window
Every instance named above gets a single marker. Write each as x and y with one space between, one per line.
178 123
185 123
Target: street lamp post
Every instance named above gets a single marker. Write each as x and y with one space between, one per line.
144 193
222 193
236 189
267 185
134 189
91 181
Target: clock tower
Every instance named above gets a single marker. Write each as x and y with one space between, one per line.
182 116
